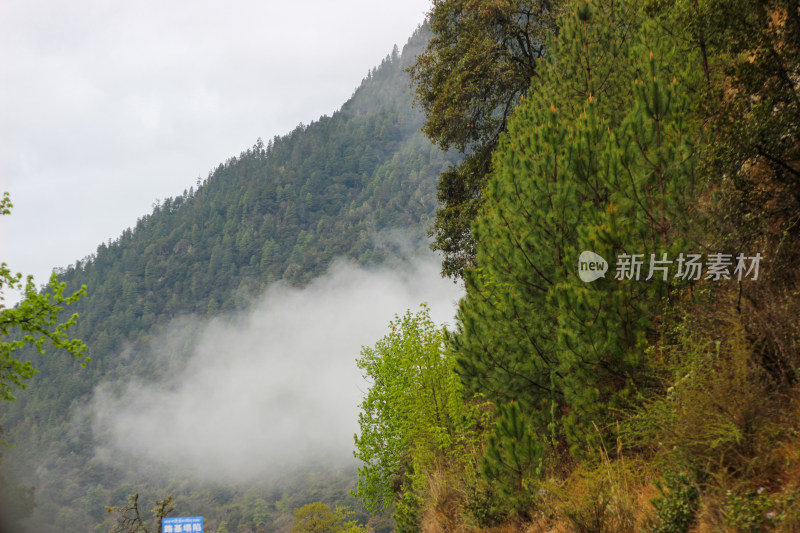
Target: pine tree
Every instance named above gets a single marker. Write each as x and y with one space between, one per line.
601 158
514 457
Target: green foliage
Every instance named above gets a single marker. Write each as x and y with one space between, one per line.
318 517
713 406
635 109
314 518
412 418
758 511
460 197
676 506
475 69
755 47
756 157
406 514
600 157
514 458
418 436
33 322
483 505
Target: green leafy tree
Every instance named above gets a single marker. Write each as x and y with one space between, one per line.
33 322
412 418
476 67
318 517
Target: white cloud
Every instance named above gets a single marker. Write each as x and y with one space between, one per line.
273 387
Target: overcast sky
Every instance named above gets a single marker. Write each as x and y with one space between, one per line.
107 106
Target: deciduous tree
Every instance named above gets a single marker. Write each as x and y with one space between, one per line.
317 517
33 322
476 67
413 416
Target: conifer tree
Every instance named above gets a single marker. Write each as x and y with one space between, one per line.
600 158
514 456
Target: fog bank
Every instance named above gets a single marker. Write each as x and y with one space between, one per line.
271 387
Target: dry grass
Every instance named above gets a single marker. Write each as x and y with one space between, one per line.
444 511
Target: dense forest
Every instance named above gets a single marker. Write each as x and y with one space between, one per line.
627 353
619 193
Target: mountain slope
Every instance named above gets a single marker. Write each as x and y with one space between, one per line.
340 187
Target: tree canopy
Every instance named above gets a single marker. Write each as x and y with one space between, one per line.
413 418
318 517
478 64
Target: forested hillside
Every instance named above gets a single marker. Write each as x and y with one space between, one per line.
358 184
624 214
628 350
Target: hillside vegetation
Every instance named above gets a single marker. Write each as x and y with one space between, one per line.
624 212
662 394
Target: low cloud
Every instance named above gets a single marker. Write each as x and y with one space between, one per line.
274 387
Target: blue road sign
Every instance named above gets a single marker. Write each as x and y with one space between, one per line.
182 524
